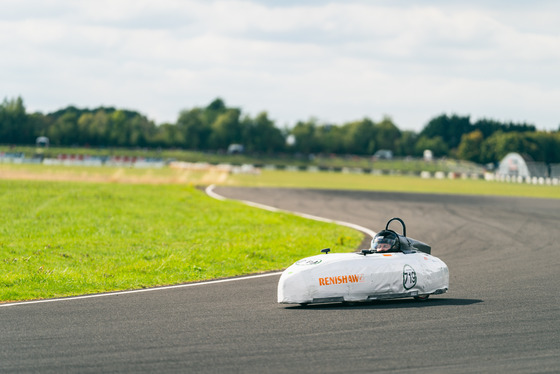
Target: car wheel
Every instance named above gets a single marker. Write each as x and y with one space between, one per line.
421 297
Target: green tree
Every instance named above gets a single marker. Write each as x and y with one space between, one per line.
543 146
404 146
470 146
359 137
143 130
15 126
305 137
489 127
40 123
226 129
386 135
119 129
195 129
330 138
99 128
213 110
64 129
500 144
167 135
449 128
260 135
85 133
437 145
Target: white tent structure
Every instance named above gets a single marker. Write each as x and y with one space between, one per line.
515 165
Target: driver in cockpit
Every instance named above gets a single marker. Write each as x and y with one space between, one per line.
385 241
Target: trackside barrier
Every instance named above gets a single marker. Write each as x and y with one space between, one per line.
542 181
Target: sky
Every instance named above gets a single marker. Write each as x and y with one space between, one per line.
333 61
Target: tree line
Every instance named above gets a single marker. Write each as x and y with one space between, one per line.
216 126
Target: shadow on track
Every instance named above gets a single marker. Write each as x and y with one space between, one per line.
390 304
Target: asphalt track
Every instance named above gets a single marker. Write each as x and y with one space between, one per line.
501 314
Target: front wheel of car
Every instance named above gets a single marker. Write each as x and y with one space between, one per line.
421 297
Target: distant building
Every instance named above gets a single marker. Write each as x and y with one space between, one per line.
235 149
383 154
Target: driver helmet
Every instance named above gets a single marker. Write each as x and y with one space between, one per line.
385 241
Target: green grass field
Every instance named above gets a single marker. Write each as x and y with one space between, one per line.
67 238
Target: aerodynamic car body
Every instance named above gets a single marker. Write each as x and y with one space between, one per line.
394 267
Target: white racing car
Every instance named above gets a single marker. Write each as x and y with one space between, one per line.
394 267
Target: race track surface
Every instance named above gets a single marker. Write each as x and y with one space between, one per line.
501 314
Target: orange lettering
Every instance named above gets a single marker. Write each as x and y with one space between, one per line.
341 279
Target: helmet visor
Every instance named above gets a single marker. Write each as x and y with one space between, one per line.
382 243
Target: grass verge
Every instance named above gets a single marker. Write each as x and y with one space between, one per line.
66 238
393 183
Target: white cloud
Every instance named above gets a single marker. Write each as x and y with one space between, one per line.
336 61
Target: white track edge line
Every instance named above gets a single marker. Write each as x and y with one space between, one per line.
117 293
210 192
